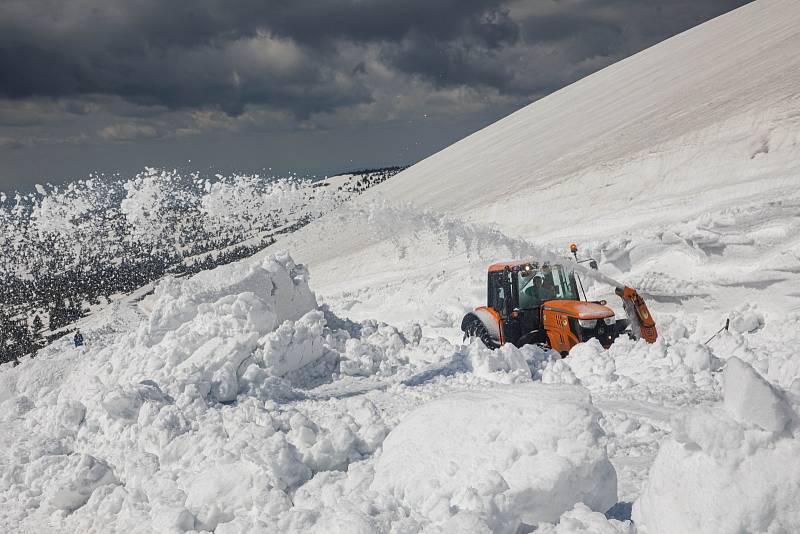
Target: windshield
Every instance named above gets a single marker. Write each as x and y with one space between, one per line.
548 283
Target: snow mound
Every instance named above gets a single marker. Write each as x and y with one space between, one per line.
203 330
582 520
512 455
75 483
752 400
508 364
728 468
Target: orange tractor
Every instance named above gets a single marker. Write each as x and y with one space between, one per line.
539 303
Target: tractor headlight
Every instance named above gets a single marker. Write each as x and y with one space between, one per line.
587 323
610 320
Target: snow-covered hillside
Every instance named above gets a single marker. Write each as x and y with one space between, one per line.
240 401
677 168
705 120
66 248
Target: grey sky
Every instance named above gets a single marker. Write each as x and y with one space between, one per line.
312 86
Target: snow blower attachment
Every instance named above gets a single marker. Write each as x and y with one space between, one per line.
642 324
529 302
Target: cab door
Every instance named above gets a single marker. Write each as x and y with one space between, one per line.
501 299
526 314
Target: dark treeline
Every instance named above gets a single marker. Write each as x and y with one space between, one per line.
63 297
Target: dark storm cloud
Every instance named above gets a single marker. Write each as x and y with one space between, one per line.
320 22
194 53
449 63
557 26
287 54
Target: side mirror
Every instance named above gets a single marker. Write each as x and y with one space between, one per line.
593 264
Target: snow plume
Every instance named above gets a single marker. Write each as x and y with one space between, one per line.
160 210
406 227
66 247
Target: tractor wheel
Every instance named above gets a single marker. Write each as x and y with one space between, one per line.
476 329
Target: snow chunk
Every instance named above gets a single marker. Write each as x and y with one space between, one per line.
217 493
582 520
75 483
729 468
746 319
751 399
690 491
203 332
380 349
294 344
522 453
124 402
506 364
592 364
15 407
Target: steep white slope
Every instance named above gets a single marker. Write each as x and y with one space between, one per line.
705 119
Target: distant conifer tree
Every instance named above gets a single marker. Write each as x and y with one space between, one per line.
37 324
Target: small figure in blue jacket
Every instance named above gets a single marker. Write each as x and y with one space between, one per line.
78 339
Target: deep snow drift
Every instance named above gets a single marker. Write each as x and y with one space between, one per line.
742 452
238 401
517 454
233 402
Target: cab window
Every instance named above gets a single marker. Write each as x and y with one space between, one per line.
547 283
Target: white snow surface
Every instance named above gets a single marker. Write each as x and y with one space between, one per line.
240 401
517 454
742 452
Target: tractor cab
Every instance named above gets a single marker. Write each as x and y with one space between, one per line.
517 292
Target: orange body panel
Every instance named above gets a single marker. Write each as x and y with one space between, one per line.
499 319
559 335
555 317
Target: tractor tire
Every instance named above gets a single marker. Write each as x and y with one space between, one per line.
476 329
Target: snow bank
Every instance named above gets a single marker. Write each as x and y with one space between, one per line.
508 364
582 520
203 330
728 468
511 455
674 369
73 485
752 400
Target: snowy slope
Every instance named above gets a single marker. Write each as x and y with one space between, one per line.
678 167
706 119
237 401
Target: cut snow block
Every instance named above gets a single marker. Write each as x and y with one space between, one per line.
73 486
728 468
517 454
582 520
294 344
752 400
692 489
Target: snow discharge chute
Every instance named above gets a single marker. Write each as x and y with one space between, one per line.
642 324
